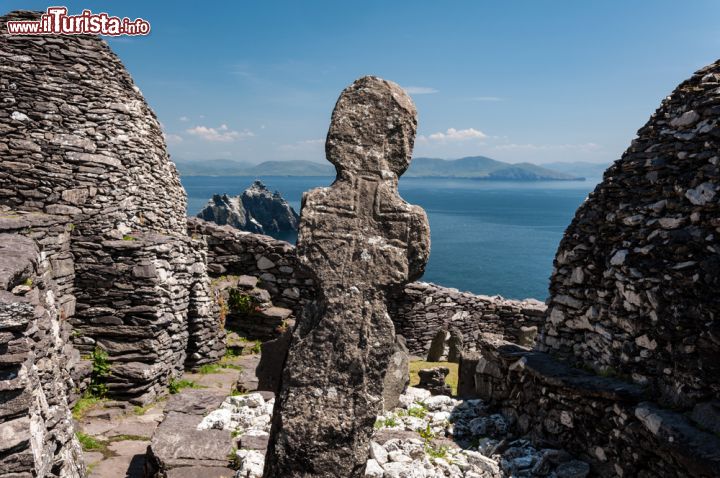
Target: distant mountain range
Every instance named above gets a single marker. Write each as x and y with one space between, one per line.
474 167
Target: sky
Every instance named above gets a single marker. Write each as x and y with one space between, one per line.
518 81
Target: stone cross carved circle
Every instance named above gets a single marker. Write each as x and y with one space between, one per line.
360 240
359 230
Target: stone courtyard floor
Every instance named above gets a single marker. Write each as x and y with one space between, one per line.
115 435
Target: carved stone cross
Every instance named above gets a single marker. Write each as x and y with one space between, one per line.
361 240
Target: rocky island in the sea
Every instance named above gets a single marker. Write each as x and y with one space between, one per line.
256 210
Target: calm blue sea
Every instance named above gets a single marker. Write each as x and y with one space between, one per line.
488 237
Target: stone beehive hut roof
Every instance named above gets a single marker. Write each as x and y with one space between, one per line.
78 137
635 290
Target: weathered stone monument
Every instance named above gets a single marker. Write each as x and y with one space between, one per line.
361 241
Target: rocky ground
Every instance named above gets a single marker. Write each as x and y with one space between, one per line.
426 437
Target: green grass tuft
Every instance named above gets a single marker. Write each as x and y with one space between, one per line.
86 403
175 386
209 368
89 443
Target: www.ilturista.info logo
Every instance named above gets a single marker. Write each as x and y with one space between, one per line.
57 21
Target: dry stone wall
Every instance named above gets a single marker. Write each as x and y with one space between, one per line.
80 146
611 423
423 309
274 262
35 421
635 291
419 311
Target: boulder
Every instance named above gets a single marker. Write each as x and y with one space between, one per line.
433 380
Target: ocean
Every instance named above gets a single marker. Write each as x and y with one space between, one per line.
488 237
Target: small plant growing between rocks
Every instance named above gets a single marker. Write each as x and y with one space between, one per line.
28 282
176 386
417 410
233 459
436 452
83 404
100 371
426 434
388 422
240 303
209 368
128 237
89 443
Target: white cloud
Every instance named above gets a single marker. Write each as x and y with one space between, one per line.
419 90
548 147
485 98
221 134
184 118
303 145
453 134
171 138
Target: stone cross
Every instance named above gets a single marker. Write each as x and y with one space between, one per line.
361 241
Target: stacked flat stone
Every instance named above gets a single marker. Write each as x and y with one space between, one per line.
274 262
635 290
79 142
206 334
421 310
52 235
35 421
608 421
133 303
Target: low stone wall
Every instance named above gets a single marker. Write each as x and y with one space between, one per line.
35 421
607 421
419 311
235 252
423 309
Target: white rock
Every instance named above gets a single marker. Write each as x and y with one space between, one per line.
485 464
252 400
439 402
18 116
378 453
217 419
412 395
373 469
405 470
701 195
252 463
399 457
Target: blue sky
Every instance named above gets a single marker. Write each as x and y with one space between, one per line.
536 81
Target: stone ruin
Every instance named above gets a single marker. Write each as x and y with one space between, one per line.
361 240
97 257
625 369
91 199
637 275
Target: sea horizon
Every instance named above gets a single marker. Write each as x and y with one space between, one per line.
488 237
